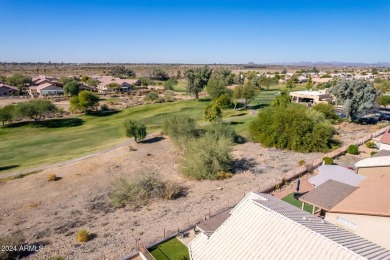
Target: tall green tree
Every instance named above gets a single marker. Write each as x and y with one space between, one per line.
85 79
354 95
245 93
72 88
159 74
20 81
309 83
291 83
113 86
135 129
197 80
92 82
216 88
35 109
85 101
213 112
282 100
7 113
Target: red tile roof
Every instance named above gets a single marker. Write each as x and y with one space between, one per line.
386 137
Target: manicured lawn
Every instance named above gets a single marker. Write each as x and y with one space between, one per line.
290 199
181 86
26 145
173 249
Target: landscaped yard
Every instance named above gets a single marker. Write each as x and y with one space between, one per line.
173 249
290 199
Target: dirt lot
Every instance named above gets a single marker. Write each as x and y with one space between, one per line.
52 212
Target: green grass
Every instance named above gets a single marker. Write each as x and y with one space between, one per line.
291 200
27 145
181 86
172 249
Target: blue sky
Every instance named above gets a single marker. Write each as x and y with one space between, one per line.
194 31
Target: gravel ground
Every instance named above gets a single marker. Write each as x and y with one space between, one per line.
50 213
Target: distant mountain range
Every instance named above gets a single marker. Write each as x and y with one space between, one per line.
331 63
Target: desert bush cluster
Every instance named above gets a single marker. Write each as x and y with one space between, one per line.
294 128
206 152
138 191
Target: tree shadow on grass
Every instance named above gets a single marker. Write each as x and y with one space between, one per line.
297 195
51 123
153 140
104 113
4 168
258 106
235 123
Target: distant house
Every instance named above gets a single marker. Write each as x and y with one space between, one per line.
363 210
45 89
264 227
6 90
310 97
86 87
126 85
39 80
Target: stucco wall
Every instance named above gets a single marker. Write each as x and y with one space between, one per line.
373 228
369 170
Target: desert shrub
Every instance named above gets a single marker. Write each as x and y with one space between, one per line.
135 129
139 191
159 100
82 236
293 128
11 241
370 145
224 175
58 258
206 156
328 160
373 153
224 101
301 162
104 107
353 149
327 109
220 129
151 96
180 128
52 177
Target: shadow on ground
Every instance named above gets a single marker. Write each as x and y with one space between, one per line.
50 123
104 113
4 168
153 140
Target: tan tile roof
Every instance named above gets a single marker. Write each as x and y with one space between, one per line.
385 138
371 198
263 227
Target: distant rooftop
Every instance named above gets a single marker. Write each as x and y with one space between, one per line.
374 162
309 93
336 173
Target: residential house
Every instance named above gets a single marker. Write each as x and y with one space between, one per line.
264 227
41 79
125 84
45 89
362 210
310 97
6 90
